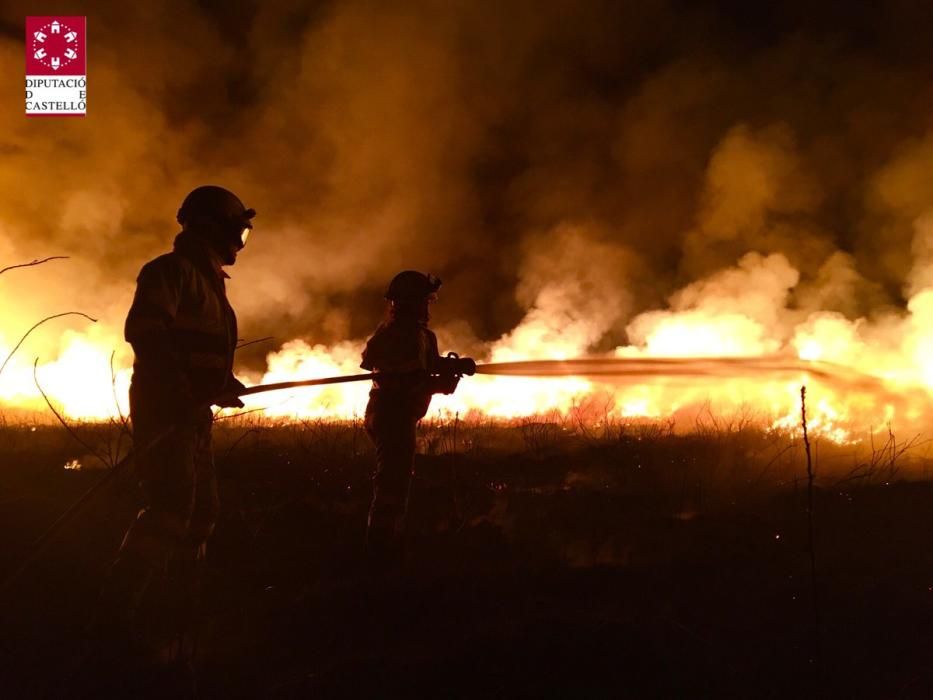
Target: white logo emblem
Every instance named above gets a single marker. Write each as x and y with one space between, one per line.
59 57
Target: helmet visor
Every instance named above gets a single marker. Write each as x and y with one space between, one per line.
237 231
242 226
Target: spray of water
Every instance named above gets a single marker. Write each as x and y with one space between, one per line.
632 369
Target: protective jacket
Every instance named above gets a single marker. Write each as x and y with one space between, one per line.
181 326
407 351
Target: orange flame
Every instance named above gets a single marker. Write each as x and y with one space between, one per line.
709 319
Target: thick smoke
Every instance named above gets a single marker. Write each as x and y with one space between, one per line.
560 164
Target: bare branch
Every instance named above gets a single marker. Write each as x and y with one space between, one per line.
124 421
91 450
244 343
34 263
47 318
811 543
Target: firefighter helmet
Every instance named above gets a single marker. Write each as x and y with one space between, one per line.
411 285
219 205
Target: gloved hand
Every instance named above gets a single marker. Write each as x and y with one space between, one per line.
444 384
467 366
230 402
230 399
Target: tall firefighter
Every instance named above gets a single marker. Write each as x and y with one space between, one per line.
403 351
183 332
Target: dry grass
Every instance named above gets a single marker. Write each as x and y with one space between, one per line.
582 549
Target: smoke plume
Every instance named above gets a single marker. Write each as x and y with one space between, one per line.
577 173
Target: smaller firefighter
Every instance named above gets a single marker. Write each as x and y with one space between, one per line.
403 351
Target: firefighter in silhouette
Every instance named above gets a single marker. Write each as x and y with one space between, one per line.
183 332
404 352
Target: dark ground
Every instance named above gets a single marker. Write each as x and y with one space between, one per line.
542 562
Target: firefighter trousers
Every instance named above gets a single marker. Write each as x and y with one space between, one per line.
393 434
179 484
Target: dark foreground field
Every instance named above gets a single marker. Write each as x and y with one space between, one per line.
544 560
